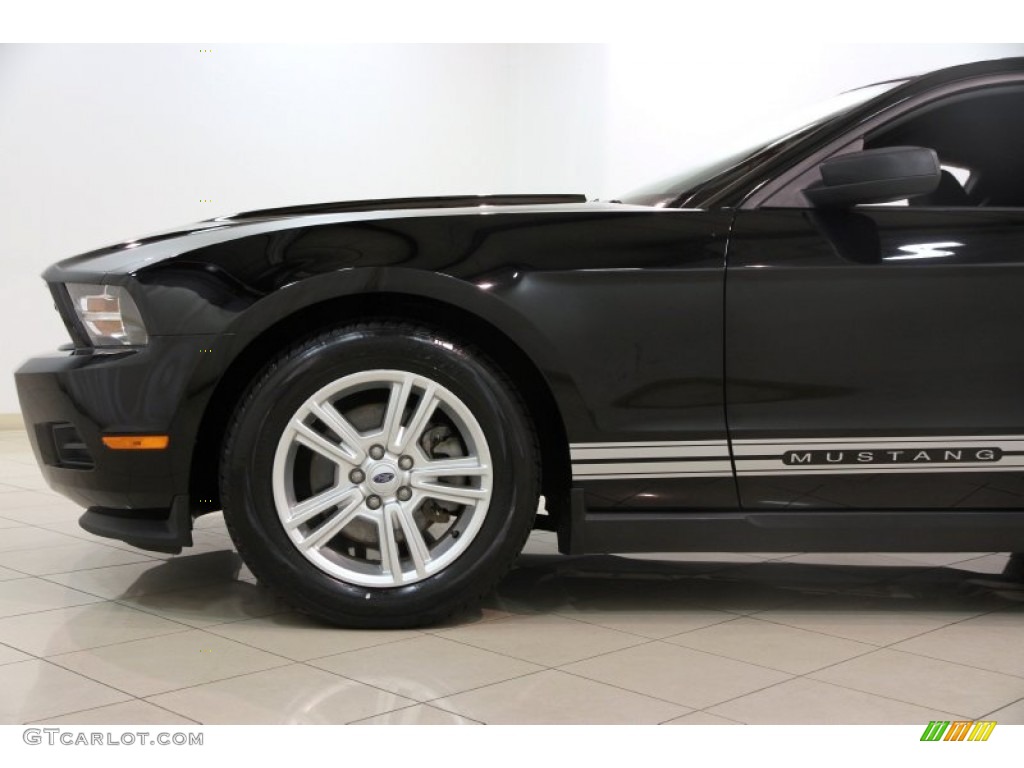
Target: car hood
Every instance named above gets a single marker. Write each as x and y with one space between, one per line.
123 259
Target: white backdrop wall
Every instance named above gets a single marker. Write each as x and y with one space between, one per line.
104 143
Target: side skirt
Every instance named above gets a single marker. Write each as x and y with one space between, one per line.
803 531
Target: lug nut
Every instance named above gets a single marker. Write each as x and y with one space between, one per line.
377 452
357 476
404 494
405 462
373 502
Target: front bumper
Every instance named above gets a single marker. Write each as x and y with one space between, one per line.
70 401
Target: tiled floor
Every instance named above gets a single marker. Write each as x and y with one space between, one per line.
93 631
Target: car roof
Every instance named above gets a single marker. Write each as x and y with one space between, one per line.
966 71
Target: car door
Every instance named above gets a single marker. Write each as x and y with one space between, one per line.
875 355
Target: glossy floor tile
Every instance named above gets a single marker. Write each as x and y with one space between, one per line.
65 630
804 701
1013 713
547 640
700 717
992 641
300 638
767 644
206 606
292 694
29 595
10 655
27 537
135 711
418 714
873 620
553 696
426 667
126 581
6 574
166 663
926 682
65 558
94 631
36 689
692 678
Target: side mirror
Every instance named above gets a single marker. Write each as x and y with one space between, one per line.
875 176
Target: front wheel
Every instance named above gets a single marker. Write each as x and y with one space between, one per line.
380 475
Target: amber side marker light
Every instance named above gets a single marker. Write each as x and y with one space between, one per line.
136 442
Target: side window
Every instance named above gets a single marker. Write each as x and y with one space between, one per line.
978 136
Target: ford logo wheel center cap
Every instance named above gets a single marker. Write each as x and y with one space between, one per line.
383 479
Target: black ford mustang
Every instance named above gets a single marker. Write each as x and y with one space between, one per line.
816 343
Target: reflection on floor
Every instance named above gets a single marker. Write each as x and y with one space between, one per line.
93 631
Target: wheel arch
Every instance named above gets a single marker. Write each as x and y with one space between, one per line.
521 367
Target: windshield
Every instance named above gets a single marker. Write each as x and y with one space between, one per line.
774 135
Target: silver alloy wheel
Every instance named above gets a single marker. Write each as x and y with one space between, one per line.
386 511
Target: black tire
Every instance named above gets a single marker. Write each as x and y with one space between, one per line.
278 394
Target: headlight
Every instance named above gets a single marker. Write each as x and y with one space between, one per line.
108 314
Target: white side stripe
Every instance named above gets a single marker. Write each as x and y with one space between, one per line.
878 469
742 452
817 456
627 454
654 444
803 442
657 476
652 467
649 460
